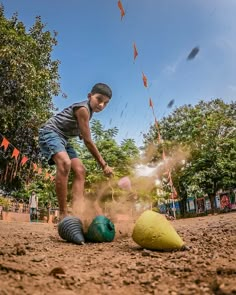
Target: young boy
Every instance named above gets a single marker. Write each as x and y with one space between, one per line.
53 140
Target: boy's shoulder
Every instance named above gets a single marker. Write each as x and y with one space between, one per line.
84 103
77 105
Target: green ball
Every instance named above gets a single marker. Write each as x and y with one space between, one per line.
100 230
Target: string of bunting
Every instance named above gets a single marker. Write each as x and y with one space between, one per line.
21 159
151 105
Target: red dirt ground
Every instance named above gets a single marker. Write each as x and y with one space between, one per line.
34 260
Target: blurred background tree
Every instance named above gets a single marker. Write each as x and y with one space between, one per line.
207 132
29 80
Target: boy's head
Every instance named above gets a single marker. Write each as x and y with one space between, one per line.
102 88
99 97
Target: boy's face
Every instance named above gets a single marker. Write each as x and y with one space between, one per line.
98 101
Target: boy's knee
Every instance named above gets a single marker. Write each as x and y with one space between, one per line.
80 171
64 166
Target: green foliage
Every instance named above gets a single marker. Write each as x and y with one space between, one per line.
4 202
121 157
208 132
28 81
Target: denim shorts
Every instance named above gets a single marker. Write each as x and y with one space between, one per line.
51 143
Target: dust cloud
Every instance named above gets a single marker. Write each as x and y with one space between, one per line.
120 203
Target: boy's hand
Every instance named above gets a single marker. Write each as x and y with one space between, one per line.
107 170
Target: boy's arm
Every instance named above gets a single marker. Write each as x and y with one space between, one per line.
82 116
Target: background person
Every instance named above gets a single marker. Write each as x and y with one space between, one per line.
33 205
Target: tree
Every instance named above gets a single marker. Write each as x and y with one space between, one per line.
28 81
207 131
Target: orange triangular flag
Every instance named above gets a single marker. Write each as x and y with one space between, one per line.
5 143
174 194
15 153
35 167
122 11
170 179
150 103
46 175
144 80
24 160
135 51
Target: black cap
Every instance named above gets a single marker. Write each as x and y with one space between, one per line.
102 89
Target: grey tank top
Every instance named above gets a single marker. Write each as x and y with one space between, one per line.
65 122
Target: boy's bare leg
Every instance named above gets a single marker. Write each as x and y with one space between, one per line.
63 164
80 208
78 204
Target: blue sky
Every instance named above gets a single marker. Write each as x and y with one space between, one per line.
94 45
